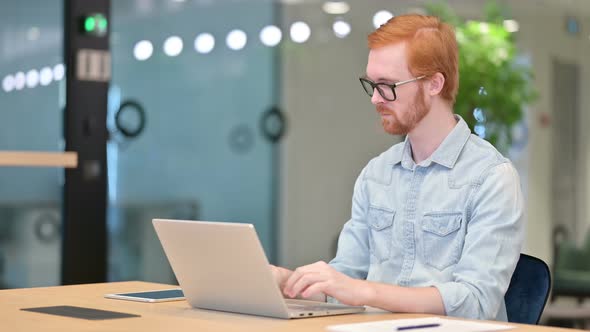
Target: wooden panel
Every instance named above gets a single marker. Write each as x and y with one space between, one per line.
39 159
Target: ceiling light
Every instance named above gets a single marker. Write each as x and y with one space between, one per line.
300 32
45 76
143 50
32 78
381 17
341 29
511 25
335 7
59 72
8 83
19 80
270 35
204 43
173 46
236 39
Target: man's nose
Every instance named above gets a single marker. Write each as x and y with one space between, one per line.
376 98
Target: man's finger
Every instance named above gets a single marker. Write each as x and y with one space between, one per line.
316 288
297 274
305 281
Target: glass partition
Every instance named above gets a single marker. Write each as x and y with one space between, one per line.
31 74
199 76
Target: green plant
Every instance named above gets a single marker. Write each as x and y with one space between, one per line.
493 87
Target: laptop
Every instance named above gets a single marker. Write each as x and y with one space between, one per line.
222 266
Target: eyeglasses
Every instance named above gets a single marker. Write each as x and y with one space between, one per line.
387 91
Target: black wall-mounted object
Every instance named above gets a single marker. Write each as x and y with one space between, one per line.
88 72
135 129
273 124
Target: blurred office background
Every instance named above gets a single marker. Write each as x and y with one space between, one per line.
251 111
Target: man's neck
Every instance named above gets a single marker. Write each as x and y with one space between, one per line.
431 132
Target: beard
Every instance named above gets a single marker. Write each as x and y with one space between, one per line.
416 112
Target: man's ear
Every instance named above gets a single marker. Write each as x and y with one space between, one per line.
437 82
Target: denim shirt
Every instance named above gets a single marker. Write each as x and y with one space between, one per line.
454 221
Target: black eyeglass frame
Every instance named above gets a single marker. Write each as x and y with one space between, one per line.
391 86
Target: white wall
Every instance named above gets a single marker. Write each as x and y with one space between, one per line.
334 130
544 38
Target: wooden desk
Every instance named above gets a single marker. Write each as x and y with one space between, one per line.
167 316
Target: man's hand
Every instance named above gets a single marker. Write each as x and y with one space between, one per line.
319 278
315 281
280 274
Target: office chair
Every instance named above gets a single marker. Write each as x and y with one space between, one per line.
528 290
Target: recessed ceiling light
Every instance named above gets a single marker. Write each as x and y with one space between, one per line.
236 39
270 35
32 78
19 80
381 17
8 83
45 76
204 43
336 7
511 25
341 29
173 46
143 50
58 72
300 32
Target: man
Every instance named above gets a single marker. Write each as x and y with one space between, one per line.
436 223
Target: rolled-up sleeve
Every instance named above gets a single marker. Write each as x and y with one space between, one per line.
492 246
352 257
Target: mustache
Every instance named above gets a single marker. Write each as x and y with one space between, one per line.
381 109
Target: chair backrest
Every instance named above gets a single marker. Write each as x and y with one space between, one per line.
528 291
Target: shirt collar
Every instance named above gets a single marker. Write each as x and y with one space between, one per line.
446 154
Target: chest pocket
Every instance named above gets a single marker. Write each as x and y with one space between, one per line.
380 232
442 239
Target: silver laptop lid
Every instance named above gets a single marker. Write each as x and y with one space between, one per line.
221 266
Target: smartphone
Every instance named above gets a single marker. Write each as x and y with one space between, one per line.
150 296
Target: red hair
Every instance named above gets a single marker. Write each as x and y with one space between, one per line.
431 47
